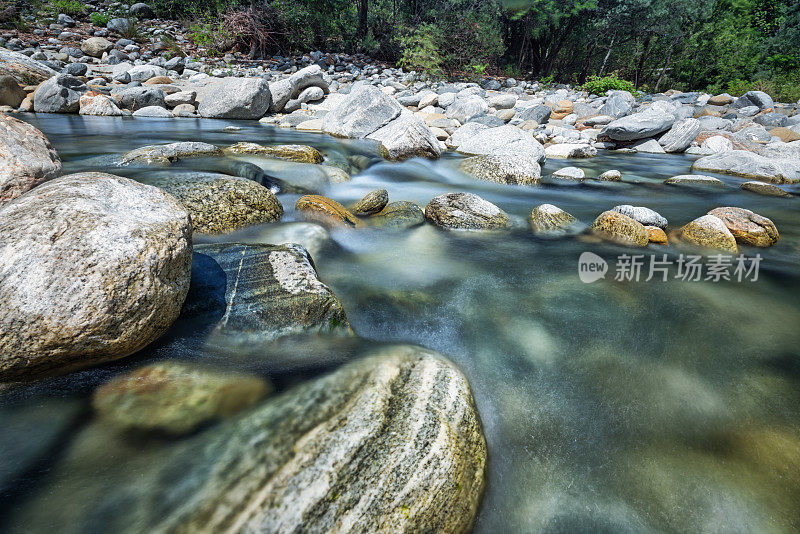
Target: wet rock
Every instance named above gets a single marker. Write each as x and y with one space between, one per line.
153 112
465 211
372 203
398 215
391 442
24 69
765 189
310 236
11 94
570 173
96 46
219 203
503 169
165 154
98 105
298 153
680 136
656 235
175 398
612 175
747 227
546 219
360 113
258 293
708 231
646 216
407 136
570 150
116 256
502 140
26 158
619 228
750 165
638 126
695 180
59 94
237 98
325 211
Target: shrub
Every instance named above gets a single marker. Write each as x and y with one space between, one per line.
73 8
419 50
599 86
208 33
99 19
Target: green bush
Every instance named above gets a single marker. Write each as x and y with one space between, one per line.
419 50
73 8
99 19
784 87
599 86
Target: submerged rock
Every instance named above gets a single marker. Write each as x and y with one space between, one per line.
748 227
546 218
388 443
465 211
93 267
765 189
26 158
219 203
166 154
372 203
258 293
398 215
695 180
174 397
708 231
503 168
326 211
297 153
749 165
620 228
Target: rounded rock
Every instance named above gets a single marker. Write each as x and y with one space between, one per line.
465 211
615 226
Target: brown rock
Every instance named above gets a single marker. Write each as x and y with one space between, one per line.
785 134
708 231
614 226
158 80
11 94
325 210
656 235
720 100
748 227
763 188
372 203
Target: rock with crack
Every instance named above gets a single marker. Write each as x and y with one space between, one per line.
389 443
258 293
747 227
93 267
407 136
26 158
361 113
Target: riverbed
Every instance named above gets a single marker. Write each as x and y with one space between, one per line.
612 406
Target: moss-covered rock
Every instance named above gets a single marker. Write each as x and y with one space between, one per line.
398 215
615 226
372 203
546 218
708 231
297 153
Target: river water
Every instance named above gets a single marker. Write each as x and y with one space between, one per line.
615 406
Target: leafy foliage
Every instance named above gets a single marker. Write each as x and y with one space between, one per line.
99 19
599 86
73 8
420 50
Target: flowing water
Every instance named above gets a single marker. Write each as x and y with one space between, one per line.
615 406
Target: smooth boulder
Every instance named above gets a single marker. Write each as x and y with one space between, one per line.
550 219
93 267
680 136
747 227
638 126
26 158
169 153
372 203
710 232
503 169
465 211
237 98
619 228
406 137
502 140
749 165
362 112
59 94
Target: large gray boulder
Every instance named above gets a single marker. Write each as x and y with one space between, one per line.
26 158
539 114
23 68
503 168
760 99
749 165
502 140
680 136
464 109
59 94
291 87
389 443
142 73
405 137
135 98
267 292
617 105
362 112
219 203
465 211
639 125
93 267
237 98
120 25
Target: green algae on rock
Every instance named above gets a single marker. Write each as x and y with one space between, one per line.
297 153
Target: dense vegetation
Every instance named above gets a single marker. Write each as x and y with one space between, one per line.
718 45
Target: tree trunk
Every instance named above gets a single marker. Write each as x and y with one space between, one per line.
608 54
362 18
642 58
666 62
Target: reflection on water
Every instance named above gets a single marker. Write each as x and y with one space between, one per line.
609 407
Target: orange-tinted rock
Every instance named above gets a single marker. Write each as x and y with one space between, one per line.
748 227
614 226
785 134
325 210
656 235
